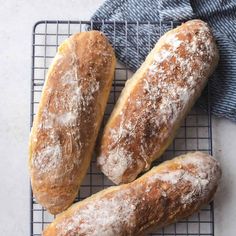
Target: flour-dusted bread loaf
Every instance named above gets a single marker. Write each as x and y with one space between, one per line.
156 99
167 193
70 112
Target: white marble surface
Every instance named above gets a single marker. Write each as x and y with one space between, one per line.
16 21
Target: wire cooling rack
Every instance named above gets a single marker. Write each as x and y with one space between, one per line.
194 134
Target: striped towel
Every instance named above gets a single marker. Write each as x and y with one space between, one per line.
220 15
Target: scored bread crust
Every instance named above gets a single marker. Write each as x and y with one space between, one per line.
167 193
69 115
156 99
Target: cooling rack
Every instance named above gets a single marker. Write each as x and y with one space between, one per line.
194 134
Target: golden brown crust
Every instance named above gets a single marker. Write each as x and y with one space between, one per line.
68 119
167 193
156 99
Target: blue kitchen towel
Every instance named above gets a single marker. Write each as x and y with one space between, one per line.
219 14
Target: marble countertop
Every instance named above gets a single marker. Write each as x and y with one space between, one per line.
16 21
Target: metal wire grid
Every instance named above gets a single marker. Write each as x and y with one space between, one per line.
194 134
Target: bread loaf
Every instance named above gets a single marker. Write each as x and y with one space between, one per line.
156 99
167 193
70 112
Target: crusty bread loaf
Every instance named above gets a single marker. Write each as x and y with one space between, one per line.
165 194
71 108
156 99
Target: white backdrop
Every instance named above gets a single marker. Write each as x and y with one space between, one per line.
16 22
